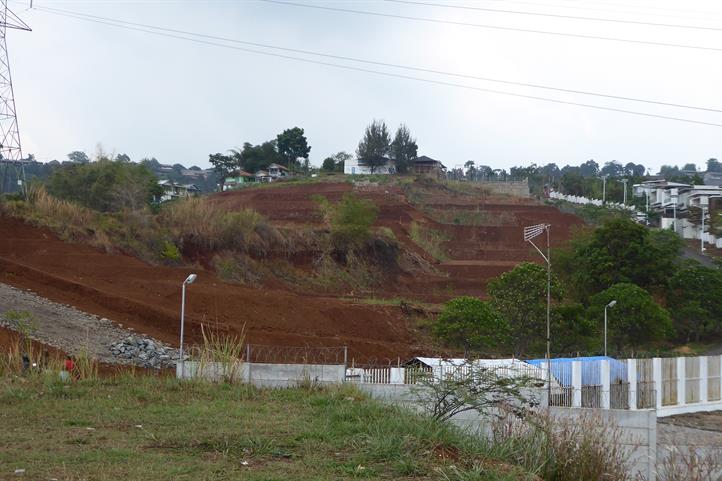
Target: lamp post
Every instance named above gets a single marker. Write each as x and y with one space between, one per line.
530 233
604 189
624 182
611 304
189 280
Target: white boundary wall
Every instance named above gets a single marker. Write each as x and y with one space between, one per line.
265 375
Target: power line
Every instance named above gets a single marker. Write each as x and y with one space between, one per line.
382 73
554 15
387 64
494 27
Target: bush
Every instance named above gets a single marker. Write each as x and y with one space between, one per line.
350 219
105 185
170 252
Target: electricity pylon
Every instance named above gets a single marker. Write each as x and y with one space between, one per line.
10 149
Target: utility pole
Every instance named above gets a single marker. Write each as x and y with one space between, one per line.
529 234
604 189
10 149
624 182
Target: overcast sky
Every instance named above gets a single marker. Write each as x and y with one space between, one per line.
80 83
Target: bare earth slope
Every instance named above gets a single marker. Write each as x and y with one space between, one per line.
147 298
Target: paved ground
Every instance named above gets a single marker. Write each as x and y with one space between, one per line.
65 327
677 436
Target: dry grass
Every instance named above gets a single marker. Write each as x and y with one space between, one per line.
196 223
221 350
564 449
429 239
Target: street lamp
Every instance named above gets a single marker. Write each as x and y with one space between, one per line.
604 189
624 181
611 304
530 233
189 280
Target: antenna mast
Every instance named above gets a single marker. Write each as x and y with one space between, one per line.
10 149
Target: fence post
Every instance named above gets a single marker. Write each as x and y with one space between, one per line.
657 376
576 384
604 372
248 361
632 379
681 382
703 378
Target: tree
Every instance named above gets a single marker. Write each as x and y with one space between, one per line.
612 169
336 162
618 251
695 292
256 157
224 165
293 145
589 169
714 165
520 296
122 158
374 148
104 185
474 386
572 331
470 323
471 172
636 320
403 149
690 166
78 157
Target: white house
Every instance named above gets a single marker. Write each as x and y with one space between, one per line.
173 190
276 171
353 167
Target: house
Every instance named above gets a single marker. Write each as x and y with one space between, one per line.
238 179
276 171
427 166
263 176
173 190
354 166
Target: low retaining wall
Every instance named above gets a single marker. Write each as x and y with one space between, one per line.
264 375
638 428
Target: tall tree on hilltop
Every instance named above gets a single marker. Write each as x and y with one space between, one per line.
224 165
374 148
293 145
403 149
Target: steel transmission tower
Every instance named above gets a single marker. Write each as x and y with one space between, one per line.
10 149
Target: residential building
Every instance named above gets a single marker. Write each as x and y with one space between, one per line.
173 190
236 180
427 165
276 171
355 167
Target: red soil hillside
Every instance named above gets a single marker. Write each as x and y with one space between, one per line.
147 298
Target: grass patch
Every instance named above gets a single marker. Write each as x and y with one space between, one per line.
155 428
431 240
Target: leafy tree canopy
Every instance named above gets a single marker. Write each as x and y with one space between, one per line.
375 147
403 149
620 250
336 162
105 185
78 157
293 145
695 292
520 296
471 323
636 320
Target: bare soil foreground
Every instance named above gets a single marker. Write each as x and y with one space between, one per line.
146 297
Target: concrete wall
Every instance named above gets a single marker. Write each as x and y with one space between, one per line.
265 375
638 428
514 188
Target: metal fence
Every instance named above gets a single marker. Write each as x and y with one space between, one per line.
259 353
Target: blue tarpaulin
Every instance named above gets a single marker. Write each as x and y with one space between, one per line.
591 369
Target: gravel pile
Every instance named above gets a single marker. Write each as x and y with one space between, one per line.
145 352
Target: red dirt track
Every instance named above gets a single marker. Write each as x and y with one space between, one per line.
147 298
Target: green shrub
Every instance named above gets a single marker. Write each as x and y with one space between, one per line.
170 252
350 219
